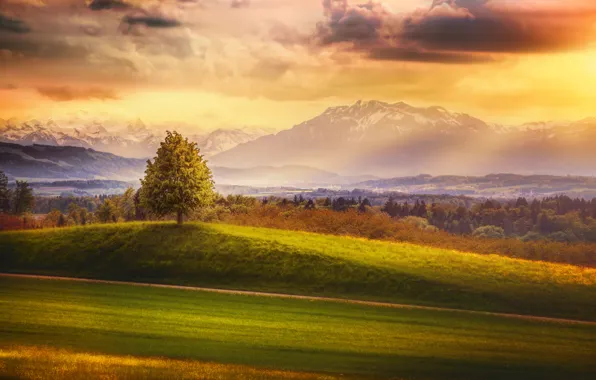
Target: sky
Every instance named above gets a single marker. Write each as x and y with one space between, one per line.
276 63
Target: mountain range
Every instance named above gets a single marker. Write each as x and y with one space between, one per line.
370 138
97 172
130 139
388 140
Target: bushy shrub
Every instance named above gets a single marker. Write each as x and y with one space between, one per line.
489 232
420 223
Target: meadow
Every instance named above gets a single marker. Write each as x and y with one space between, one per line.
248 258
87 329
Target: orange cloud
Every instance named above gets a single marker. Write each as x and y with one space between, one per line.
65 94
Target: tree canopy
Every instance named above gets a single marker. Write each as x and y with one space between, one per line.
23 198
4 193
178 180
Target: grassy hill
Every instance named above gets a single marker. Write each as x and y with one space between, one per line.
179 334
303 263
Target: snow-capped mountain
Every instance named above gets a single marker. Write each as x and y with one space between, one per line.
398 139
221 140
128 139
364 120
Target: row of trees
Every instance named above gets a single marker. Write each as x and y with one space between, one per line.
557 218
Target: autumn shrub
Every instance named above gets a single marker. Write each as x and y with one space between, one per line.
11 222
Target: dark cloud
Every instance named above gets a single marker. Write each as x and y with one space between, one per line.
359 24
40 46
100 5
240 3
454 31
13 25
409 55
455 26
151 21
65 94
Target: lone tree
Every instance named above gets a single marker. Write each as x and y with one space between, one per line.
178 181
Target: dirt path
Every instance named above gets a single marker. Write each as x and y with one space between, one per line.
309 298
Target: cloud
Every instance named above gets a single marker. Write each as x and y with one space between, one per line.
151 21
13 25
455 31
138 15
65 93
499 27
359 24
240 3
42 47
100 5
410 55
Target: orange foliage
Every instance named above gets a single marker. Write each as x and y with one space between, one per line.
9 222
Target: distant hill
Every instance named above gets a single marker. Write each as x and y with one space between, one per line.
289 175
504 185
80 187
398 139
43 161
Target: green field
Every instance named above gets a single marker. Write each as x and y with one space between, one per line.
288 334
234 257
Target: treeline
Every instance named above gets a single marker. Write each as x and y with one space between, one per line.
558 218
15 204
87 210
20 209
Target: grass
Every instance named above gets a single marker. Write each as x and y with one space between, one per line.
189 329
249 258
35 362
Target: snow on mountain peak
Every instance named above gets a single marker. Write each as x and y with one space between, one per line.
130 139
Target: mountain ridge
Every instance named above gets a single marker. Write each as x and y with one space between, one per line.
124 138
388 140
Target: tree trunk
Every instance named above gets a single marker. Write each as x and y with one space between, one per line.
180 218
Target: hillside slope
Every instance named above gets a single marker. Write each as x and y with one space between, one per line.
302 263
44 161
